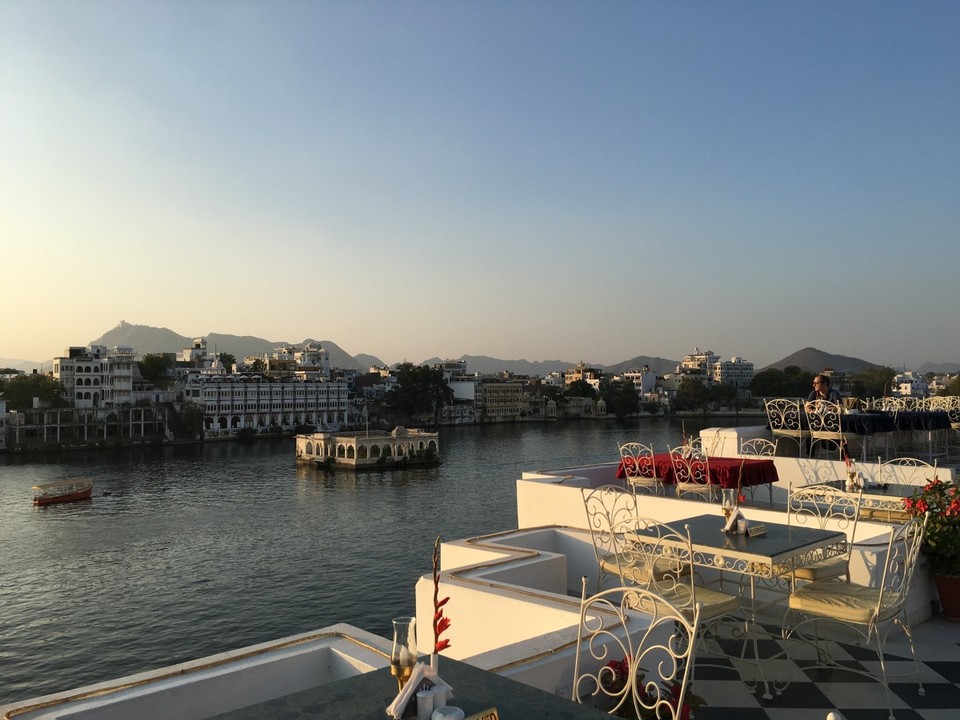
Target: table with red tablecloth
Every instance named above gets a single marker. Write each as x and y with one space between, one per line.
724 471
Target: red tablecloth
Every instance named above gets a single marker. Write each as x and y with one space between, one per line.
723 471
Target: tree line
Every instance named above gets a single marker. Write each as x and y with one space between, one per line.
422 390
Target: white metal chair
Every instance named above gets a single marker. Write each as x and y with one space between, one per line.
819 506
869 610
785 418
906 471
608 506
823 418
636 459
691 474
759 448
660 558
635 653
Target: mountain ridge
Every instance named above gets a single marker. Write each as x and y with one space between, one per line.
146 339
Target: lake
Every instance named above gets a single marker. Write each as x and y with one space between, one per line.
191 550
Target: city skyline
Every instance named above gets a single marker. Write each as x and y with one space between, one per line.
519 180
145 340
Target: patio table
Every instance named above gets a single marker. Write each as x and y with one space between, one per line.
724 471
883 503
769 557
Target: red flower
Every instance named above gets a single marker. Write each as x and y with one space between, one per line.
440 622
686 713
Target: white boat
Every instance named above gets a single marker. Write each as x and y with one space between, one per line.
513 604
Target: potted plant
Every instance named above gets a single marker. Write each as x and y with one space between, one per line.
941 543
655 702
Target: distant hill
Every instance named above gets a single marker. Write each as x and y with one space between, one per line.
938 368
145 340
813 360
661 366
484 364
27 366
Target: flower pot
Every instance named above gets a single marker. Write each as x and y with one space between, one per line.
948 588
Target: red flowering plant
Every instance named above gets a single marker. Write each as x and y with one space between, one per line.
941 543
741 498
614 677
440 621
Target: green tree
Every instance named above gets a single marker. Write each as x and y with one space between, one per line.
191 416
155 368
22 389
692 395
873 382
227 361
258 366
420 390
952 388
723 394
622 398
792 381
580 388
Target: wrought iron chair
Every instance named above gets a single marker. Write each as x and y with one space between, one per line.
636 459
608 506
823 418
906 471
785 418
660 558
818 506
635 653
900 471
759 448
869 610
691 474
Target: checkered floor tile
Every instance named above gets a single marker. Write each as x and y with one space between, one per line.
800 690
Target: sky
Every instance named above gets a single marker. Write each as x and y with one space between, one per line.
521 179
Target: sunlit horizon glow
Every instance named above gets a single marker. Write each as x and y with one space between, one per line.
530 180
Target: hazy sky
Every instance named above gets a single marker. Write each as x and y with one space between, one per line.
542 180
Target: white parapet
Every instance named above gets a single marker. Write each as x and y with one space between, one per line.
213 685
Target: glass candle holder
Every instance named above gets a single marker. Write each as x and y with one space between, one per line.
728 502
403 656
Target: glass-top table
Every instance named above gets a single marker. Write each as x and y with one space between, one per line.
775 554
883 502
367 696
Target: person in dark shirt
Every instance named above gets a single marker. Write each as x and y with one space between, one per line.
821 391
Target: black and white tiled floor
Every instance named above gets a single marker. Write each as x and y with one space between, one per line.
812 693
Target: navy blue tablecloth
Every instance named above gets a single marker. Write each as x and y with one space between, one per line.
921 420
867 423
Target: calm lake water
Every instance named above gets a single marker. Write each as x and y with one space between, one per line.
188 551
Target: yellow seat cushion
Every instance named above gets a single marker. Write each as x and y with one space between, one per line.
715 603
822 569
633 567
839 600
884 515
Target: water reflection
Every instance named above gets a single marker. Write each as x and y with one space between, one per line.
192 550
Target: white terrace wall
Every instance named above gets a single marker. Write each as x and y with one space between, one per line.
545 499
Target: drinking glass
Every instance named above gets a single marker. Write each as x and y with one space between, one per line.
728 502
403 656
